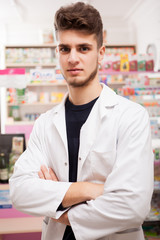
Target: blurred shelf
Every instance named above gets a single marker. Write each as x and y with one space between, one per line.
115 83
47 45
29 65
33 104
18 123
4 186
20 225
126 73
56 84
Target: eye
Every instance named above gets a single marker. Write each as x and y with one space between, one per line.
84 49
64 49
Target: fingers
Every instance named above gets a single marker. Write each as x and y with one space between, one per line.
40 174
44 171
47 174
53 175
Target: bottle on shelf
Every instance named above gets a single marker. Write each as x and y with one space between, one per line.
3 169
16 151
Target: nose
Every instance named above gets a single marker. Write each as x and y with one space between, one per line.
73 57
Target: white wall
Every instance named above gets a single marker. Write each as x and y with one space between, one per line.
22 33
147 25
119 32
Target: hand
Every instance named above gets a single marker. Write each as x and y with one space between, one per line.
77 193
46 174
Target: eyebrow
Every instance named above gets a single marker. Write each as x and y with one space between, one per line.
63 45
79 45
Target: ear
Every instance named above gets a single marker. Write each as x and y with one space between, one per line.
101 54
57 52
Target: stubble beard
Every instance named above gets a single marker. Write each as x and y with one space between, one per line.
74 83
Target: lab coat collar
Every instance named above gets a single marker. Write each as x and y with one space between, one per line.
107 99
108 96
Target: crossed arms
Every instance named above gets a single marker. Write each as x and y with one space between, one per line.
77 193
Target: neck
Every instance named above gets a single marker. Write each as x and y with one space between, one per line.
83 95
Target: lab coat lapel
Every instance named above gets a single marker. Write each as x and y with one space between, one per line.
89 131
60 123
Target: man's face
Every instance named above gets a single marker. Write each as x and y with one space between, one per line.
78 57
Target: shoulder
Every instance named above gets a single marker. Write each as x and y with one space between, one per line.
130 107
120 103
132 117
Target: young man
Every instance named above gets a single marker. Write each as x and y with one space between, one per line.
88 167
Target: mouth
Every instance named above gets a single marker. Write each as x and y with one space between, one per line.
74 71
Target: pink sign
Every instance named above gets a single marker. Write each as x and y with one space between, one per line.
13 71
13 78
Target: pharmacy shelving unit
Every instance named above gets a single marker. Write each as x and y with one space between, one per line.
30 56
38 58
144 88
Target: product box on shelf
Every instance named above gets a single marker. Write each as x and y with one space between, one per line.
16 150
116 63
29 55
127 63
155 127
157 164
133 66
124 63
5 201
56 97
40 75
107 63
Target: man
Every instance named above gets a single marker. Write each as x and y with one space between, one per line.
88 167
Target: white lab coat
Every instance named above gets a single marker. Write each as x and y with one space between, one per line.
115 149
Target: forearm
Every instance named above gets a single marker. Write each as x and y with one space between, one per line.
79 192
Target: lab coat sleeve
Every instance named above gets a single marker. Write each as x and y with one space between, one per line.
128 189
28 192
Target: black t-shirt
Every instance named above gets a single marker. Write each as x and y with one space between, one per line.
76 115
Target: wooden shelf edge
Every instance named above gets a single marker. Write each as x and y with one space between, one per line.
21 225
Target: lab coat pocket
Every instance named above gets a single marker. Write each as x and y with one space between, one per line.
131 234
44 228
102 163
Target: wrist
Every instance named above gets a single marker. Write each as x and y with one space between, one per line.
94 190
88 191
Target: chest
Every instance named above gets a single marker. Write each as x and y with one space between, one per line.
96 155
101 154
